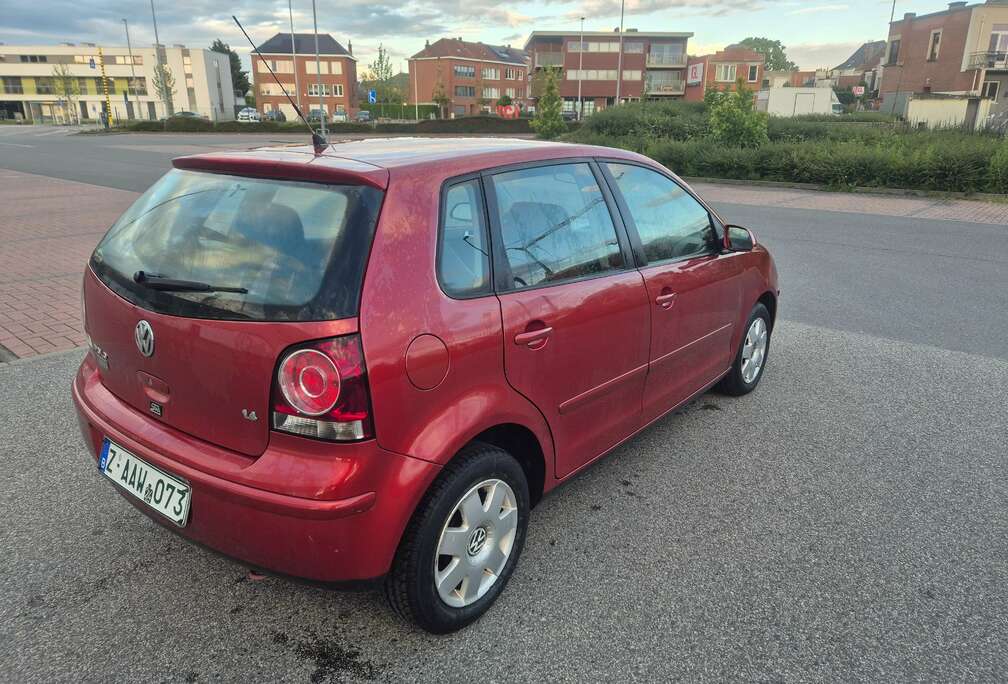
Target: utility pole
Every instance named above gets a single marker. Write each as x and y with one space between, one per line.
580 69
899 78
416 91
165 97
297 82
619 60
318 68
129 47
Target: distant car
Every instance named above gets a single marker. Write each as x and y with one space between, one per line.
249 114
187 115
339 116
569 115
275 115
316 115
363 116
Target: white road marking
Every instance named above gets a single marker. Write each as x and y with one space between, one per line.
15 144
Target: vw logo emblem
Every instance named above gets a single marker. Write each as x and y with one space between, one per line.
476 541
143 335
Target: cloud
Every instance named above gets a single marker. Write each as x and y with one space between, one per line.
709 8
814 9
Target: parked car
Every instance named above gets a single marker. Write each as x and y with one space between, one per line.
316 115
247 386
339 116
275 115
569 115
249 114
363 116
188 115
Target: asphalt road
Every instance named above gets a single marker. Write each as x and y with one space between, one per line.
846 521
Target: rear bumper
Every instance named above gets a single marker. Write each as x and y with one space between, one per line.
349 530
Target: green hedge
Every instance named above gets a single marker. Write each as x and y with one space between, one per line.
472 124
961 167
404 111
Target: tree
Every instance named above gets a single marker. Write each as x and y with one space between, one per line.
239 77
380 73
164 86
440 98
733 119
773 51
67 87
548 122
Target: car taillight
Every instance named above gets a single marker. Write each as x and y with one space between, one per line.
321 391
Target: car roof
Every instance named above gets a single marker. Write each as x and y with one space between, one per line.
373 160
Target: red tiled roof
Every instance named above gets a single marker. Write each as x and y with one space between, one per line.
453 47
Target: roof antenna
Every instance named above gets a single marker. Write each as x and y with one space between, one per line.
318 140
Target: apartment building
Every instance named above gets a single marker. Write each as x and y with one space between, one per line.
295 67
722 71
961 50
652 66
35 80
472 76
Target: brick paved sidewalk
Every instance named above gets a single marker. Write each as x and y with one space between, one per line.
48 228
858 203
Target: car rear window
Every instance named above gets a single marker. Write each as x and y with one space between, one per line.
297 249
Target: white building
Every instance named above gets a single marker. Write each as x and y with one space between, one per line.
30 88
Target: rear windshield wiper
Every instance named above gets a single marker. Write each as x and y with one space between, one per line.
154 281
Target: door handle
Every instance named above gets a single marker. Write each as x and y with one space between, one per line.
533 338
665 301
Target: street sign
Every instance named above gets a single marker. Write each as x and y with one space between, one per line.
372 96
91 63
858 90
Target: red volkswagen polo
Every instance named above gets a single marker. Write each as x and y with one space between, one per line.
373 361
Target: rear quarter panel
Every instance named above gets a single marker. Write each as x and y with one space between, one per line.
402 302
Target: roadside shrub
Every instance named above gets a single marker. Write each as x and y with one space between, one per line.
998 169
548 122
184 124
474 124
733 120
678 120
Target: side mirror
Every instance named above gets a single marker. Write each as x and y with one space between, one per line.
739 239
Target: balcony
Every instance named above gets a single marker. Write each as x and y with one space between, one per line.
549 59
672 87
659 60
988 60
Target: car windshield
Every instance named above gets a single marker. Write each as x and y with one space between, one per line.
289 251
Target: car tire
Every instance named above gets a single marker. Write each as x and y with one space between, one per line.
743 378
442 544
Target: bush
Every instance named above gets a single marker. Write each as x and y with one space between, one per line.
998 171
548 122
187 124
732 118
474 124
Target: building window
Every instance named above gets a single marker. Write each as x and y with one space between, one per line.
753 72
12 85
465 91
100 87
34 59
82 86
724 73
513 74
336 68
491 93
933 45
138 85
632 75
990 89
465 71
491 73
894 48
574 46
186 60
44 86
591 74
633 48
313 90
338 90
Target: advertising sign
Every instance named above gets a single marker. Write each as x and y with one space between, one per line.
694 73
858 90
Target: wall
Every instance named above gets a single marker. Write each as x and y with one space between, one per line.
945 112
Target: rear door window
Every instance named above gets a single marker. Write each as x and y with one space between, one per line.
294 251
555 225
671 223
463 255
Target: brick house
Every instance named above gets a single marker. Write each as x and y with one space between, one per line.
860 68
653 65
722 70
339 75
473 75
961 50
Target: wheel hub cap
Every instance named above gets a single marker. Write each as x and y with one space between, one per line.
754 350
476 542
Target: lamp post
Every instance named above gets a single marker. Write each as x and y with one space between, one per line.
580 70
619 60
129 48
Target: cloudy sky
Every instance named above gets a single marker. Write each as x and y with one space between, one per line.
817 34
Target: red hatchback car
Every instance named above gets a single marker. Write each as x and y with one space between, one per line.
372 362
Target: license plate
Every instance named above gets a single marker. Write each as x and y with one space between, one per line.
166 494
